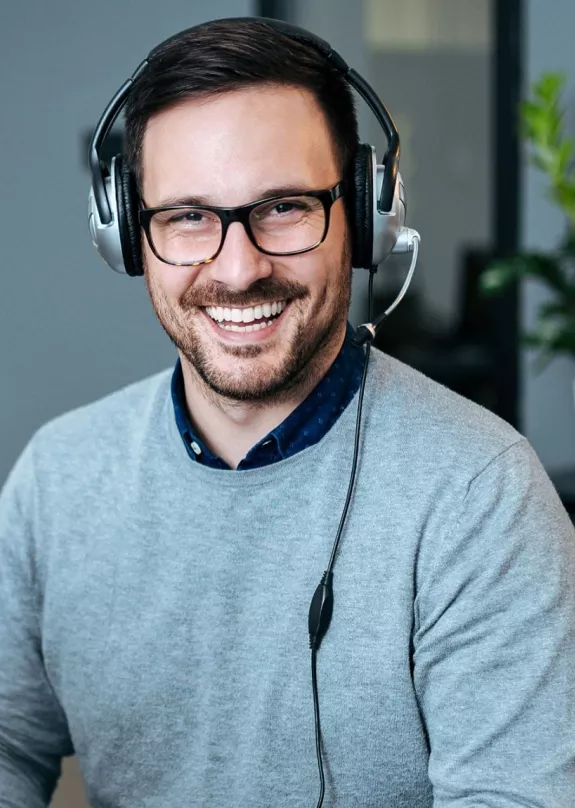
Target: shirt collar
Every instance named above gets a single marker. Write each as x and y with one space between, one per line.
305 426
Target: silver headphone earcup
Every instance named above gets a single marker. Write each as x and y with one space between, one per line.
387 226
106 237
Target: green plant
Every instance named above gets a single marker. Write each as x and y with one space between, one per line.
542 128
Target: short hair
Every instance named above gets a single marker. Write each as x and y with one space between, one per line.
225 55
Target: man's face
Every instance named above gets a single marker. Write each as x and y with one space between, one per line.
231 150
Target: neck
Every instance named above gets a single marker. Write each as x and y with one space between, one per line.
230 428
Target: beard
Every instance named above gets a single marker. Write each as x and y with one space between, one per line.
301 363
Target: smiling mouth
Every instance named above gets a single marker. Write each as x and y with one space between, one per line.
251 318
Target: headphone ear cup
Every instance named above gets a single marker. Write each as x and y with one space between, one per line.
127 200
362 213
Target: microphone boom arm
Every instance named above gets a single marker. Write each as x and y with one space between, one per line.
408 242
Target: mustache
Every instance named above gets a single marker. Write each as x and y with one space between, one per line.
265 290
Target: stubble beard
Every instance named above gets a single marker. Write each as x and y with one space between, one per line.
299 369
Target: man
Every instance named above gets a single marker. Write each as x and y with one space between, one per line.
159 548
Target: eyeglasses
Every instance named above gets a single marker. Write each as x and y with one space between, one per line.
190 235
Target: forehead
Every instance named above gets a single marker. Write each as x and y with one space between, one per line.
234 145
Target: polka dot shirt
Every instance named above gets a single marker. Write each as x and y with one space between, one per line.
306 425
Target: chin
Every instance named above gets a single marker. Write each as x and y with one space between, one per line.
247 380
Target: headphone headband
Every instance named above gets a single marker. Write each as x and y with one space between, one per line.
390 159
103 127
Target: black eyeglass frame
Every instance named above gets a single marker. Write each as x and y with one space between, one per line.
241 214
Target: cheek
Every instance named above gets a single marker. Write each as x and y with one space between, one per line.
169 281
310 270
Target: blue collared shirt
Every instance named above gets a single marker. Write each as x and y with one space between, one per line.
306 425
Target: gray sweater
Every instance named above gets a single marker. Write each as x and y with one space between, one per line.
153 613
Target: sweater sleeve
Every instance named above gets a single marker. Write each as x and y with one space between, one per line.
494 644
33 730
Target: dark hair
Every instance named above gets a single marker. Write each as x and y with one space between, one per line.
225 55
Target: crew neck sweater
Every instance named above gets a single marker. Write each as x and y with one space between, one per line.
154 612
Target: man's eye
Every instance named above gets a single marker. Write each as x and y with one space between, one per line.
191 217
287 207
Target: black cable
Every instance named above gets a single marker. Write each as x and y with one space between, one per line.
355 449
322 602
317 728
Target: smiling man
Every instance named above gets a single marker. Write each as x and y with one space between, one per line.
256 330
159 548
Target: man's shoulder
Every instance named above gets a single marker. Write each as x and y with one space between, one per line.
109 419
94 445
427 418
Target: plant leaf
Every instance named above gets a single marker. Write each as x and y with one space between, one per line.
541 119
497 277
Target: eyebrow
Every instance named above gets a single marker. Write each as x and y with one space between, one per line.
283 190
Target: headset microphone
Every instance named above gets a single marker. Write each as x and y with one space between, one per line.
408 241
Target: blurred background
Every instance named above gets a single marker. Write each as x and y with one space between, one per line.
452 73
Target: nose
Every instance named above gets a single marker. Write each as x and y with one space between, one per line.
240 263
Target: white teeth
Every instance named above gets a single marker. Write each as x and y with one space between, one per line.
247 315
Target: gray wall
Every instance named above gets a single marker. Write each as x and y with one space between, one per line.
71 330
548 407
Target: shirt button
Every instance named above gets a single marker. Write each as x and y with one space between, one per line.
195 448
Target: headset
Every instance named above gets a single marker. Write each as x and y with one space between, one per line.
376 197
